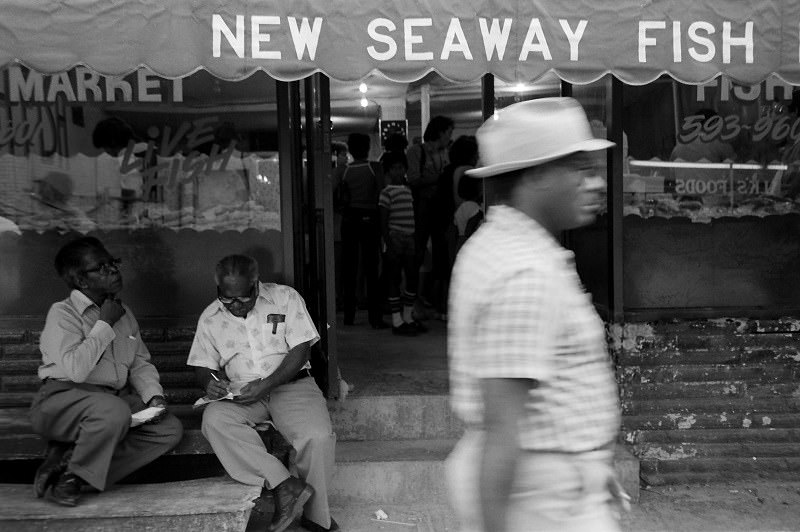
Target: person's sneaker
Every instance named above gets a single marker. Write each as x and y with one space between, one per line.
54 464
418 325
67 490
406 329
290 496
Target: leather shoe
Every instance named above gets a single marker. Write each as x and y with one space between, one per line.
67 490
53 465
290 496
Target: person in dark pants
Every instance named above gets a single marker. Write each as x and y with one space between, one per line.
357 186
426 162
96 371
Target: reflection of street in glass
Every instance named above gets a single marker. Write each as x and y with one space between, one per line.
53 196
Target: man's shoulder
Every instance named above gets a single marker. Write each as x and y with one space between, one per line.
62 308
278 293
501 254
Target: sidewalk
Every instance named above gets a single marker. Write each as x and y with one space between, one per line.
763 507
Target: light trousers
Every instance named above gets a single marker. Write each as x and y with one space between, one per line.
300 413
552 492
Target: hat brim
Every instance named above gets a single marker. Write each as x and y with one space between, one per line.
502 168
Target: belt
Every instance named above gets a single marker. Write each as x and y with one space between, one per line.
302 374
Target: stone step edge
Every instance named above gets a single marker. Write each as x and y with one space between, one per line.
189 497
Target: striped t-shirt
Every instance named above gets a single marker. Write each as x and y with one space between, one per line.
397 199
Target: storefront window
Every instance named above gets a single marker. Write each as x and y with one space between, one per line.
711 151
81 152
170 174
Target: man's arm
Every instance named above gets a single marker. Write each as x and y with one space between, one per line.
64 344
292 363
504 407
142 374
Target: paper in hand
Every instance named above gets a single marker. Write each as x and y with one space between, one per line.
205 400
143 416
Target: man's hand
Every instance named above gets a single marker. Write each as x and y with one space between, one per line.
217 387
253 391
620 500
111 311
158 401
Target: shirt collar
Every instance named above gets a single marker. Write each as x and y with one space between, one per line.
80 300
516 221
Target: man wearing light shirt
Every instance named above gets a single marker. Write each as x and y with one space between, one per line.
254 340
96 371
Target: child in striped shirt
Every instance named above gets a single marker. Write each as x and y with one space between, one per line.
397 227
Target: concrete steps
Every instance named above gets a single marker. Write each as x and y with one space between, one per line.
704 399
207 505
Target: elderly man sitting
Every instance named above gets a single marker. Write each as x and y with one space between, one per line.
253 341
95 370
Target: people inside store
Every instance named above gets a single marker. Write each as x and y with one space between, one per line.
426 162
251 354
55 205
529 368
356 189
399 259
96 372
462 156
395 143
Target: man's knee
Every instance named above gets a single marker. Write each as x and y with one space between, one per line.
111 414
215 417
172 429
316 438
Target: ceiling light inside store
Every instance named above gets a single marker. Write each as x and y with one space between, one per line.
362 89
520 87
364 102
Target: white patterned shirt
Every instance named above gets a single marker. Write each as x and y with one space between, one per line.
517 310
252 348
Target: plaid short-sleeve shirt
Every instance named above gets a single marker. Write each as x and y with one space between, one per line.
518 310
253 347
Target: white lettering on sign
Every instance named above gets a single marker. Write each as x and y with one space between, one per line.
495 39
411 38
305 36
574 37
751 185
391 44
751 93
703 48
536 32
81 83
455 32
257 37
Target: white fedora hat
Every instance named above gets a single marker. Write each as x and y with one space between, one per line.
533 132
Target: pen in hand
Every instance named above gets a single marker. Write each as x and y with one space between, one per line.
218 388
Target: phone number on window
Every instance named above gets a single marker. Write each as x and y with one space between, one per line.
729 127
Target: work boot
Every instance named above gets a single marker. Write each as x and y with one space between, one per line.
67 490
53 465
290 496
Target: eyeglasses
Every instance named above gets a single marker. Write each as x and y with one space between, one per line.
106 268
228 301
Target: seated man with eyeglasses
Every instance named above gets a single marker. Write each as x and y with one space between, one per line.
254 340
96 371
